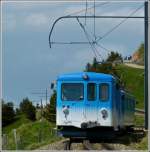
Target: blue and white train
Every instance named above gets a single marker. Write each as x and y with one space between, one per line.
89 100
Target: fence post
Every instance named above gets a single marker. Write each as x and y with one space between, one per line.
4 141
15 137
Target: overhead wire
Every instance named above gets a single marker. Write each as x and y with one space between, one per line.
69 42
77 12
97 39
86 9
116 26
104 48
94 21
86 5
88 38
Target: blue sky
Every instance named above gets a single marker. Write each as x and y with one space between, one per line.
30 65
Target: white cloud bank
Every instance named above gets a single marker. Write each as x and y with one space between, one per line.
36 20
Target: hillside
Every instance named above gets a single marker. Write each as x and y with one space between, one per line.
134 82
19 120
29 135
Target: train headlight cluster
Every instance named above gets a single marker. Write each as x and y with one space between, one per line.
65 111
104 113
85 77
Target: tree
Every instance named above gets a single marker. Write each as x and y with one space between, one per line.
114 56
106 66
88 67
94 63
18 112
37 106
50 109
28 109
8 113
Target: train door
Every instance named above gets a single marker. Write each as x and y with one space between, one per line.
105 103
91 102
121 110
72 103
116 111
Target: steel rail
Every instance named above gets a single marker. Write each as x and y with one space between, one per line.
74 17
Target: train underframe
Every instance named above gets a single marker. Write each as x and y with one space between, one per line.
89 133
92 135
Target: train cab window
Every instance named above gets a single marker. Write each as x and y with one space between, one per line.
104 92
91 91
72 91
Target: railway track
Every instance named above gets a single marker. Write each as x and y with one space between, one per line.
122 142
87 145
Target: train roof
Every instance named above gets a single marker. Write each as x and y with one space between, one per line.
90 75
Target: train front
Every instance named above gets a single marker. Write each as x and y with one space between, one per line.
83 102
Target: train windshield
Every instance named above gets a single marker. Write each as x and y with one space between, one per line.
72 91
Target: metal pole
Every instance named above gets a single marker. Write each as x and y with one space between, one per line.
46 96
41 109
146 66
15 137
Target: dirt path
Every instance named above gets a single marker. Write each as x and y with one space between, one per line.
134 65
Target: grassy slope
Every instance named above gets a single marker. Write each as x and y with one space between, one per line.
19 121
134 79
31 134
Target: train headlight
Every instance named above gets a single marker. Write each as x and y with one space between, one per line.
85 77
65 111
104 113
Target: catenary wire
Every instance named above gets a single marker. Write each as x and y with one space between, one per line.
86 5
86 9
116 26
88 38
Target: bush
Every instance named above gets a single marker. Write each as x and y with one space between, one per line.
50 109
28 109
8 113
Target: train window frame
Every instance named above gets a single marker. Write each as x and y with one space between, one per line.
108 96
72 83
95 92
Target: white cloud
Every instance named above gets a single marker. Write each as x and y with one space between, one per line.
36 20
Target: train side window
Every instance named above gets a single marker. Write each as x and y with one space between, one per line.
91 91
104 92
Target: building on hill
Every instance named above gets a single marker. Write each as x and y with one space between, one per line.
138 56
135 57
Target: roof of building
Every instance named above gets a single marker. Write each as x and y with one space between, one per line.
82 76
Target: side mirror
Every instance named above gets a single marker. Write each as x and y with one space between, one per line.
52 85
